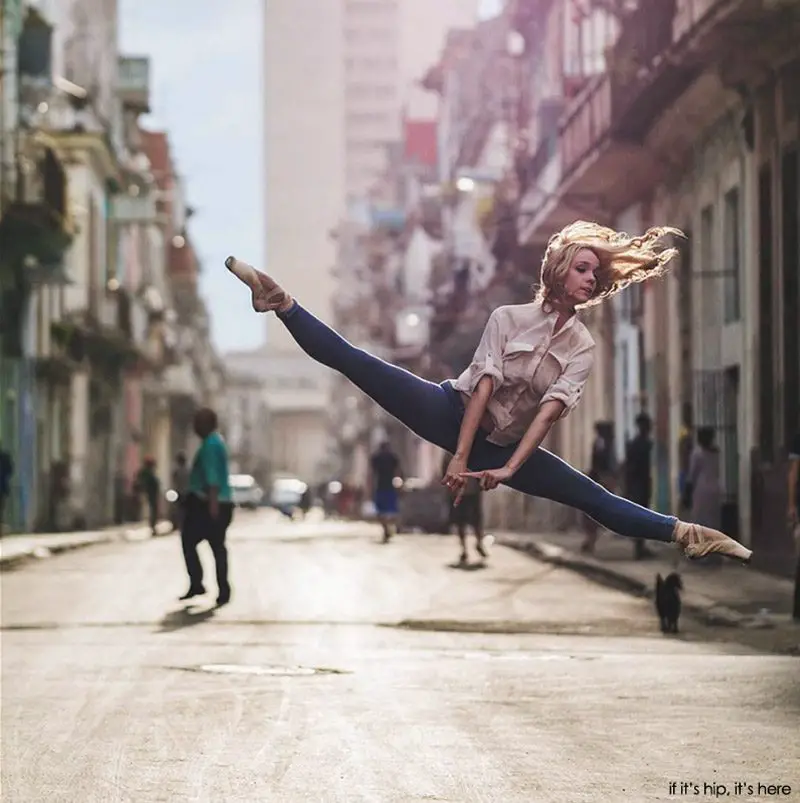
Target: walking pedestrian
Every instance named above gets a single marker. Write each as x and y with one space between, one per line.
528 371
685 448
703 486
468 513
603 470
180 485
209 507
639 473
794 515
148 484
385 466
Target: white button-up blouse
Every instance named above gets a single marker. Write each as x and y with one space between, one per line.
530 365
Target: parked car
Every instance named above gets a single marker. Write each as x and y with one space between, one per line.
246 492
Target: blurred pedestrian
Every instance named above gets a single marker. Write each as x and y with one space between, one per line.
528 371
794 515
603 470
685 448
468 513
703 490
385 466
306 500
180 485
209 507
6 473
639 473
148 485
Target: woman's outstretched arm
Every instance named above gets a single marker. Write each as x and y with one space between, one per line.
476 407
547 414
560 398
473 414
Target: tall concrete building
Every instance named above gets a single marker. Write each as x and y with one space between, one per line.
337 76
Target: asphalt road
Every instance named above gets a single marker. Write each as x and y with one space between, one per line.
345 670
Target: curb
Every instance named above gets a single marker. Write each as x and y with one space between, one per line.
40 552
697 605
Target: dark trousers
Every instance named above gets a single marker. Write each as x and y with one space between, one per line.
152 511
796 605
434 413
199 526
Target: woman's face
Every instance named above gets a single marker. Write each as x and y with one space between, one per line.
581 279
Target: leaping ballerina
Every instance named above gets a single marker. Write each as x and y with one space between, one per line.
529 370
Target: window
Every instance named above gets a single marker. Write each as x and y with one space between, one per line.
370 35
732 255
367 118
370 91
374 64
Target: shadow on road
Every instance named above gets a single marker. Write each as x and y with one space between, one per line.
185 617
468 567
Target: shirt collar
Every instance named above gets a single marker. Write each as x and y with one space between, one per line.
552 317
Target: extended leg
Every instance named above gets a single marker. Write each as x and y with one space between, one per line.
548 476
424 407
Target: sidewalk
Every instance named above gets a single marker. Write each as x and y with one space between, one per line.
19 548
729 595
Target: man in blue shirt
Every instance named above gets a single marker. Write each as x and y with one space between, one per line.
385 467
209 507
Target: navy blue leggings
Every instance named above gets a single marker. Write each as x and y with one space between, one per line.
434 412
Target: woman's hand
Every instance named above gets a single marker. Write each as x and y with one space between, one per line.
490 478
453 478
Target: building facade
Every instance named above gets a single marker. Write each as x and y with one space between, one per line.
324 155
686 124
89 332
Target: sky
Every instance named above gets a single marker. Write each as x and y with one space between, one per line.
205 89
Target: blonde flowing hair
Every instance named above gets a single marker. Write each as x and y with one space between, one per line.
623 259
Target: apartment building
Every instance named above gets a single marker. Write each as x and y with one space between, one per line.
336 79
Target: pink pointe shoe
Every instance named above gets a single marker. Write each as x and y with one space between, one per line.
268 295
697 541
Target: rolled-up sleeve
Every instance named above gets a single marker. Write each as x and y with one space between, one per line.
568 388
488 358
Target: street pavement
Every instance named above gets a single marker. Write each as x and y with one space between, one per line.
347 670
18 548
725 593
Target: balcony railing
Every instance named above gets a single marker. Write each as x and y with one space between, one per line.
691 13
35 229
623 103
588 124
133 82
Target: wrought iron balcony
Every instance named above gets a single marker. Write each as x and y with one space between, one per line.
35 228
664 47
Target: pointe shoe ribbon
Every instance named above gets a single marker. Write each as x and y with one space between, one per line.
267 294
698 541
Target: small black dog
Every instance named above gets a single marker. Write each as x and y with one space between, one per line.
668 601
